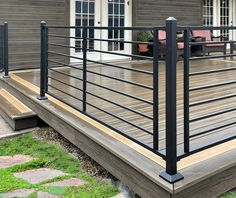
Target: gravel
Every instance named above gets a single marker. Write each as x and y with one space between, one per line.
87 163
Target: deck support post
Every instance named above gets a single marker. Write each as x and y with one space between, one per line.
43 64
171 175
5 51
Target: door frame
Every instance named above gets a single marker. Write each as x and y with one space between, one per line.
103 19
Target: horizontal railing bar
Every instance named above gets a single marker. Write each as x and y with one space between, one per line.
103 87
64 55
65 83
59 36
210 130
66 65
77 78
117 117
121 106
211 42
121 67
106 28
109 126
205 148
121 54
212 86
65 46
212 57
121 80
209 27
211 71
120 41
121 93
212 100
212 115
65 92
118 79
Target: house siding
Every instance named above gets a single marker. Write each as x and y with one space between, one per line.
155 12
24 17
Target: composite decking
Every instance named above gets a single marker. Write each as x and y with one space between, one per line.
208 173
146 123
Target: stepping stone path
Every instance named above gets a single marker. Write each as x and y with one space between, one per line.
36 176
73 182
46 195
8 161
18 193
39 175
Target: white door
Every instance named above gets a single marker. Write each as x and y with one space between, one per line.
104 13
84 13
225 16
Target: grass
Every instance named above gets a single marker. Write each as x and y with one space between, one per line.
229 195
49 155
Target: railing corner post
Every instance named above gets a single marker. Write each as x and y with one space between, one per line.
5 51
170 174
43 62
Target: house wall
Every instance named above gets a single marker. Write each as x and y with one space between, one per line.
24 17
155 12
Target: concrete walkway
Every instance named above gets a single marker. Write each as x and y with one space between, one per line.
7 131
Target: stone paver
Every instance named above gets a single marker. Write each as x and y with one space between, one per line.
18 193
121 195
73 182
8 161
39 175
46 195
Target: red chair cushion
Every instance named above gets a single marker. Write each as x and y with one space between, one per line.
162 34
180 45
215 45
202 33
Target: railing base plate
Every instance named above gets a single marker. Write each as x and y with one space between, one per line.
171 178
6 77
42 98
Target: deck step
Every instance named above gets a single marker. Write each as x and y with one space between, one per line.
16 114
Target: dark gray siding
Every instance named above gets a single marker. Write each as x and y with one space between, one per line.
155 12
24 18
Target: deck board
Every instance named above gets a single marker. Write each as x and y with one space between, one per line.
196 96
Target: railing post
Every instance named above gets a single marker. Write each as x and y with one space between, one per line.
186 90
2 47
5 50
84 47
43 63
171 175
155 91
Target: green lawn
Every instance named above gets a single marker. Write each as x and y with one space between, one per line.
53 156
229 195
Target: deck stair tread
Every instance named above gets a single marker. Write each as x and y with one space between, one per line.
18 115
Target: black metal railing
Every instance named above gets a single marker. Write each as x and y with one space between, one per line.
73 86
4 49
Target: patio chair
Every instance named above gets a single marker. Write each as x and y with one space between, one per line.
206 36
162 45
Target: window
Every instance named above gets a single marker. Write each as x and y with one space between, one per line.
116 18
85 16
224 16
208 12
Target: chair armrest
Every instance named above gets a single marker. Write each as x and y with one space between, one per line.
199 39
224 38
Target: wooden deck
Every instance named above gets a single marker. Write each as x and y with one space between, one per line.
206 174
195 96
